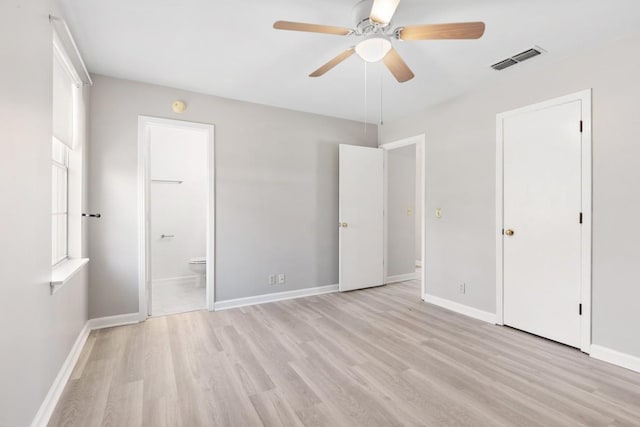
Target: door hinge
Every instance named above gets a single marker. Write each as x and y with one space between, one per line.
580 309
580 217
580 126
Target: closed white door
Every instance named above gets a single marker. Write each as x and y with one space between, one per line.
361 217
542 222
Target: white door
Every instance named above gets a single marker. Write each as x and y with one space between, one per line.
361 217
542 222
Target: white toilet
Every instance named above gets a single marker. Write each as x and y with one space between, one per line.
199 266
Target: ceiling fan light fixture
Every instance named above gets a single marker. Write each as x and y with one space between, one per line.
373 49
383 10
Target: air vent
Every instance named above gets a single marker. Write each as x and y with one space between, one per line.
516 59
527 54
504 64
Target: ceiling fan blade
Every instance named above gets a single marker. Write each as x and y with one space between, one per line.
335 61
397 66
311 28
382 11
463 30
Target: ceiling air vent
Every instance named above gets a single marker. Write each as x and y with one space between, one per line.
516 59
504 64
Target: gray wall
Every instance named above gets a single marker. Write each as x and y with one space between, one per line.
37 330
401 195
418 211
276 191
460 178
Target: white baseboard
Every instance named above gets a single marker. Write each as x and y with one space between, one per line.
278 296
597 352
485 316
615 357
51 400
401 278
111 321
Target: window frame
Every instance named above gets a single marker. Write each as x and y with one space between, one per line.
60 55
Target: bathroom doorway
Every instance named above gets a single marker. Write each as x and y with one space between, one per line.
177 206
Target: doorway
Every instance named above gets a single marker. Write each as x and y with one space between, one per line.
176 183
404 219
544 219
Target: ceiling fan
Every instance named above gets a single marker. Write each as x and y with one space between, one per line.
373 19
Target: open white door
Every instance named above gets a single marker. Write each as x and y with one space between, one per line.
361 217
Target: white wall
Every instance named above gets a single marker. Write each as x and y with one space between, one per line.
178 209
37 330
276 191
401 224
460 178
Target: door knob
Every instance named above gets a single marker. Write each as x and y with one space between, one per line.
509 232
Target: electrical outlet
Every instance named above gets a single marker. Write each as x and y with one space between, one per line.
272 279
462 288
281 278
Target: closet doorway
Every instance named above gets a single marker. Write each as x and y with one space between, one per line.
404 204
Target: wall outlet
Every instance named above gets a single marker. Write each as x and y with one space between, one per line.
281 278
462 288
272 279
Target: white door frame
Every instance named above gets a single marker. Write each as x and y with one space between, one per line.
145 123
418 141
585 282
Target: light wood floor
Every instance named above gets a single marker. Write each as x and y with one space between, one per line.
377 357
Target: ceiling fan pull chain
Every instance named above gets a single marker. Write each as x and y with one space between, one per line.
381 103
365 97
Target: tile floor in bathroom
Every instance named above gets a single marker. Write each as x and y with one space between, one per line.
177 296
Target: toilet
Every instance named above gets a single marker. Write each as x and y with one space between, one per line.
199 266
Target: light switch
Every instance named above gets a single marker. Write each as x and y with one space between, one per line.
438 212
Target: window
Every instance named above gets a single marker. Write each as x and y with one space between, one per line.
65 88
60 204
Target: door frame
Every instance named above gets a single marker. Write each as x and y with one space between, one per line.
145 123
418 141
586 231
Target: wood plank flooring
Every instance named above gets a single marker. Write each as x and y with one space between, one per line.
377 357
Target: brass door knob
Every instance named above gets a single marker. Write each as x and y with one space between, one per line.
509 232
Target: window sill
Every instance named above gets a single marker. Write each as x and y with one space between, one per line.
62 273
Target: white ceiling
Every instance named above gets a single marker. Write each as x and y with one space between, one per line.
228 48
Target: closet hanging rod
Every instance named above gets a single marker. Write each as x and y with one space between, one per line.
167 181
